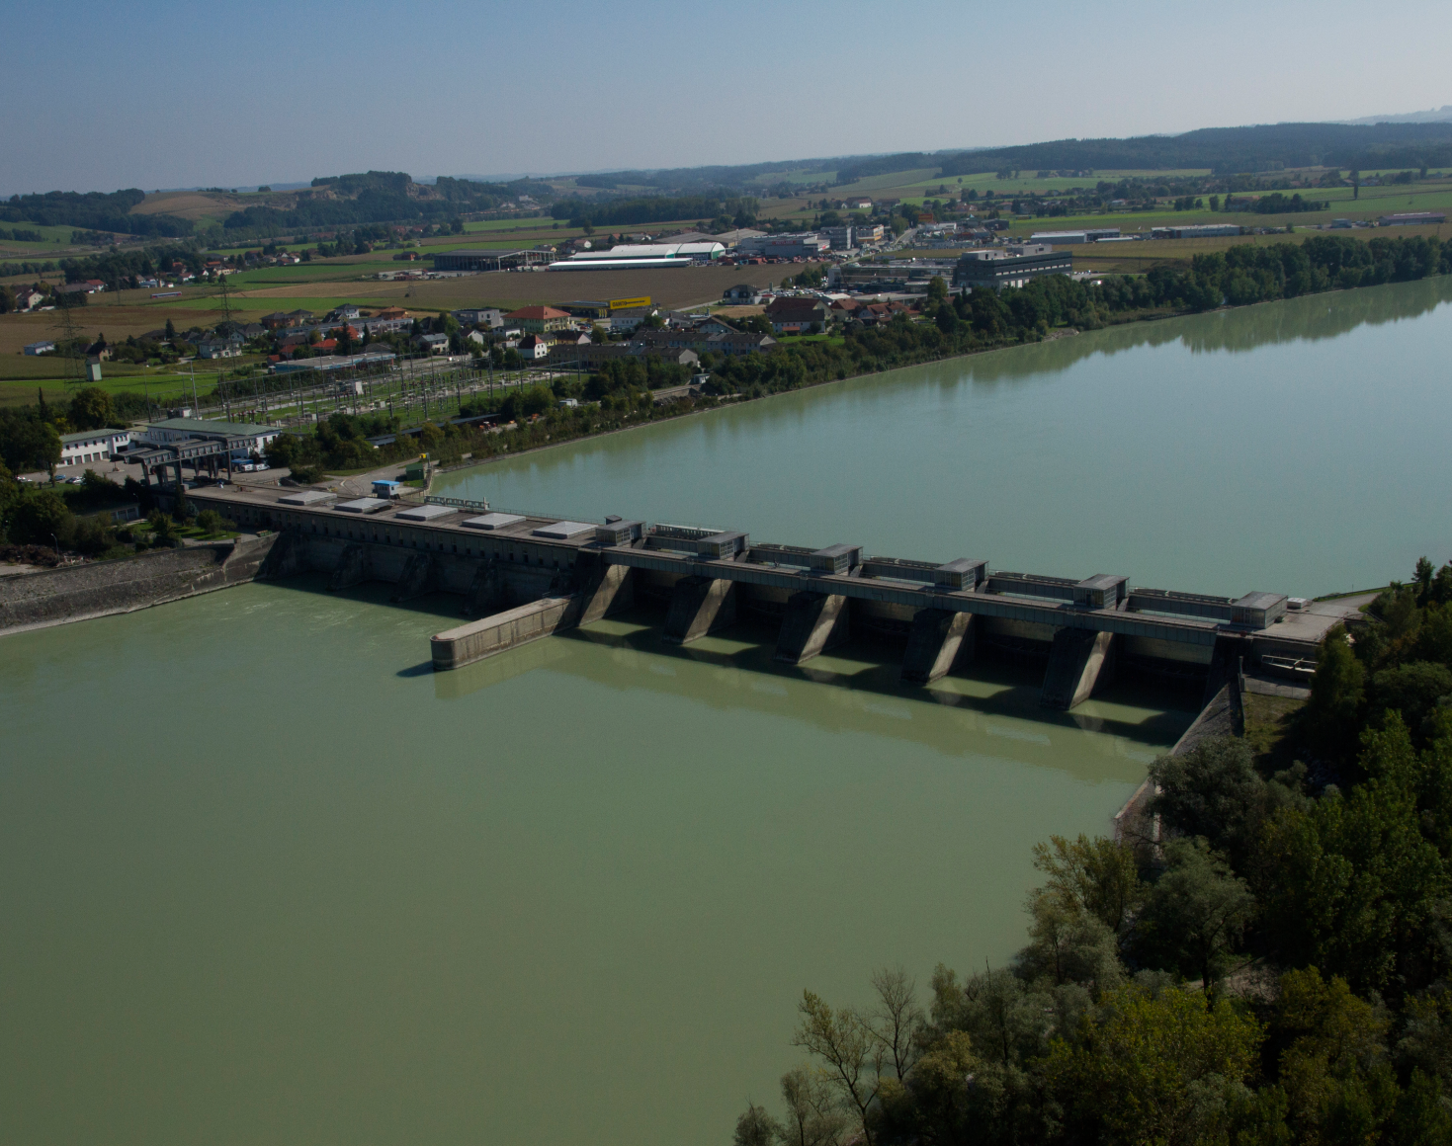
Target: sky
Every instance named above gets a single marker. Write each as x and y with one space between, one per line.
101 96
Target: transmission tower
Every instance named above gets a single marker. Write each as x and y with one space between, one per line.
225 290
70 334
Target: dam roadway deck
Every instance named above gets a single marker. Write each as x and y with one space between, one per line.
528 575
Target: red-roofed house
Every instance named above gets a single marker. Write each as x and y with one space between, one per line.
538 319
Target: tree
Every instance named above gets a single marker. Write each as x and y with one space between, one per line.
1335 1069
1067 945
1337 691
756 1128
851 1054
31 444
91 409
42 518
1099 876
1212 791
1195 913
812 1118
170 330
181 509
1157 1070
898 1019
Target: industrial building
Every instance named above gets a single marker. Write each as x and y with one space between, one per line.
803 245
653 256
1413 219
604 308
1198 231
1068 238
483 260
1011 270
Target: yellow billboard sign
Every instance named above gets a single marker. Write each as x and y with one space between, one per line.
629 303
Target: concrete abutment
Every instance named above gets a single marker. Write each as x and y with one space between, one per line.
939 640
813 623
1080 661
699 605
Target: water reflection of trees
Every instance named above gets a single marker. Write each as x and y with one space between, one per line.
1311 318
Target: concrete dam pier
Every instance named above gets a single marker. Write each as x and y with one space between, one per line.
526 576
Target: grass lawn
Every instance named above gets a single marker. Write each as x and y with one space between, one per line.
1268 719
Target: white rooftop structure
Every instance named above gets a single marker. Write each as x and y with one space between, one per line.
564 530
363 505
305 497
425 513
493 521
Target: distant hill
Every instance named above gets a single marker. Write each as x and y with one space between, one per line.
1441 114
370 197
1223 150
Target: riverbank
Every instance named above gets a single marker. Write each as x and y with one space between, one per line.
104 588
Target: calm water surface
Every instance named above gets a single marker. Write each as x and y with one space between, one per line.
266 878
1298 447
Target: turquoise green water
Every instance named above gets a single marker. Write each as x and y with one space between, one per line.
266 878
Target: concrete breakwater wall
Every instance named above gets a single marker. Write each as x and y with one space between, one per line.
102 588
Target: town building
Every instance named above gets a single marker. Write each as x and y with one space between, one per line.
92 446
839 237
491 317
539 319
624 321
797 315
433 343
45 346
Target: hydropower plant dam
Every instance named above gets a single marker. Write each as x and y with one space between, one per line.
526 576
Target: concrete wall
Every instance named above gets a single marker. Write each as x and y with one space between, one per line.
454 648
102 588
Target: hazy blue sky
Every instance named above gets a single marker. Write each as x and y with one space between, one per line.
161 94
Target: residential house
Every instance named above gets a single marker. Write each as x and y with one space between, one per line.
433 343
27 298
742 294
533 347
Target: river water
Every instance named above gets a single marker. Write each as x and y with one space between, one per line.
267 878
